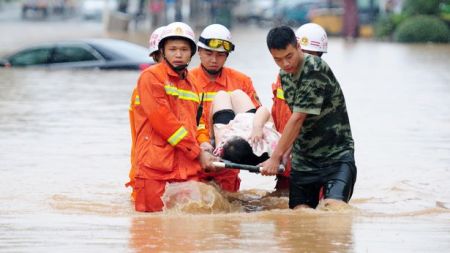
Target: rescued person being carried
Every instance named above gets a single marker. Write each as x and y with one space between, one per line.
242 133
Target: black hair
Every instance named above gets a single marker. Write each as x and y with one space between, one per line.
238 150
280 37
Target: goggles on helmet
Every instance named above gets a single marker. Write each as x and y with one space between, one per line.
217 43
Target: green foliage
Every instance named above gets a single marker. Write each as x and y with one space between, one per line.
422 7
386 25
422 29
445 11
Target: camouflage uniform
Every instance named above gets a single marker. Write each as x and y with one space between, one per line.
325 137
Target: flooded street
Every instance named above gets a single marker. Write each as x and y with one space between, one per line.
65 144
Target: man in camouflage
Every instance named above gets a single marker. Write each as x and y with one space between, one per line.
318 129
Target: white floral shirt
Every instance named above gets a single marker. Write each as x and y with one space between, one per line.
241 126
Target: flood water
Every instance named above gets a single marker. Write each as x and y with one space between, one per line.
65 142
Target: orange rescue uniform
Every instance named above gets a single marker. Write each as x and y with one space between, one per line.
135 101
167 135
281 114
228 80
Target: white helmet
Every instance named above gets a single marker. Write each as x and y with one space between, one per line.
312 37
222 36
178 30
154 39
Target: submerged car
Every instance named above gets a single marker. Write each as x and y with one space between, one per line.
83 54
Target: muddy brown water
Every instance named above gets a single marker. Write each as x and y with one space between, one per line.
64 157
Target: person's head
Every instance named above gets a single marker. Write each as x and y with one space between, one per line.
153 42
312 39
214 45
177 45
238 150
284 48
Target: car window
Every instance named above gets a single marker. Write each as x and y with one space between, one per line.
111 49
31 57
72 54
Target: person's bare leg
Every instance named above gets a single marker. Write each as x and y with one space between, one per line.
241 102
222 101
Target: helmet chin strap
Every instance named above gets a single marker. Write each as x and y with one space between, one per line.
212 72
179 69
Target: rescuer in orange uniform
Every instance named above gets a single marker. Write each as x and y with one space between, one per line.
155 37
313 40
214 46
170 137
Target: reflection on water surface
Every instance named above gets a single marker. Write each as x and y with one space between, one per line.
64 158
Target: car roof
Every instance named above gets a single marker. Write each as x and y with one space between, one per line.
109 48
119 48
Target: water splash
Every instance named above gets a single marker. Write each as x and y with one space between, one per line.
195 197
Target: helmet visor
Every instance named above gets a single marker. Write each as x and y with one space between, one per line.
217 43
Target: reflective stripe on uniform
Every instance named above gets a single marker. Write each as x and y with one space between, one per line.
181 94
137 100
209 96
176 137
201 127
280 93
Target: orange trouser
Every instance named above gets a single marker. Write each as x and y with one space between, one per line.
283 179
227 179
282 183
150 191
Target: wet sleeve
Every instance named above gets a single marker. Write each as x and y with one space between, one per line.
155 103
133 102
